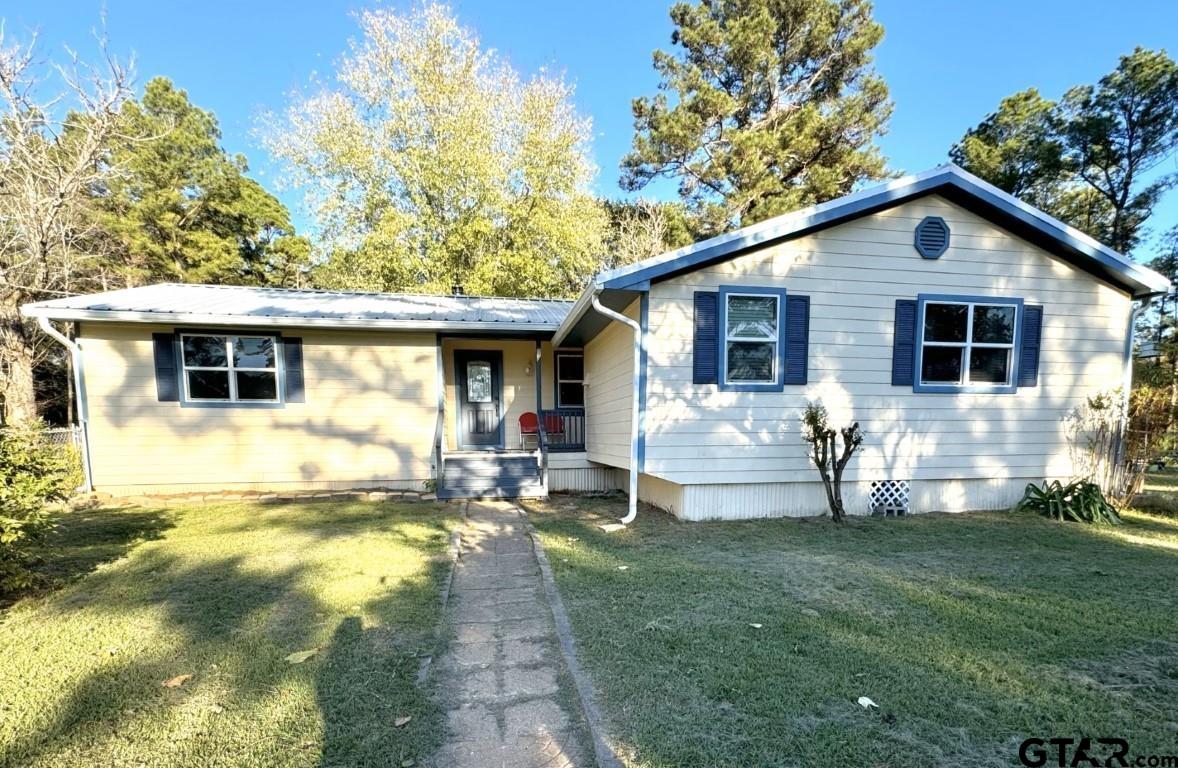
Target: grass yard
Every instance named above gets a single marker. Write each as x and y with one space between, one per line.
1160 492
224 594
749 643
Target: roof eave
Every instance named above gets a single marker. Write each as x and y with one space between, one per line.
580 307
1138 281
274 321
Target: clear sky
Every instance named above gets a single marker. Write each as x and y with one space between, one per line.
947 62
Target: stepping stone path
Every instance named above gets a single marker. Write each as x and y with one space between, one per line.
502 679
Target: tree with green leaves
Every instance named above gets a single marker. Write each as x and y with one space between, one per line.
178 207
1118 131
430 162
1016 148
1086 158
767 106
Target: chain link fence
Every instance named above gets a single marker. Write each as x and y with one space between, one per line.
65 436
60 436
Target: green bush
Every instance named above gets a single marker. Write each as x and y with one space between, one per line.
1081 501
33 472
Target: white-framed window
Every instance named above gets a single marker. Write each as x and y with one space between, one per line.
230 368
570 380
968 343
752 337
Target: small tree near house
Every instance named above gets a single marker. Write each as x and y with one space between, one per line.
824 451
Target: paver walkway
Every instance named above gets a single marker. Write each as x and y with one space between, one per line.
502 678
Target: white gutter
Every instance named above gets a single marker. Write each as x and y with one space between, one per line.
285 321
634 396
575 313
79 395
1127 382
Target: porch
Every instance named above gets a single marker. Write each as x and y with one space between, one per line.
505 406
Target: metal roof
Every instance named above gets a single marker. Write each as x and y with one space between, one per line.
949 181
243 306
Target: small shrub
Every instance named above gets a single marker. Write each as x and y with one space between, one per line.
1080 501
825 453
33 472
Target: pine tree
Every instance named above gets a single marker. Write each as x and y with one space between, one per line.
775 106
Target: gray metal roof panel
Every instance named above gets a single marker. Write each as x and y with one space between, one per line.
249 305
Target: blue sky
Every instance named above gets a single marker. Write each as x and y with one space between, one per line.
947 63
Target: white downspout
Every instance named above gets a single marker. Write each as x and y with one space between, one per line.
79 396
1126 390
634 396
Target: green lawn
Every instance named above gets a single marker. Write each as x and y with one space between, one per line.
1160 492
971 632
224 593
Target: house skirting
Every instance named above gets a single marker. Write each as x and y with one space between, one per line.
573 472
741 501
157 489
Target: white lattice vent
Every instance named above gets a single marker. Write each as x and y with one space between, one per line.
889 497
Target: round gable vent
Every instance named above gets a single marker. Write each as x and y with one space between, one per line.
932 237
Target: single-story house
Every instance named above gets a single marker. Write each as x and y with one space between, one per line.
957 324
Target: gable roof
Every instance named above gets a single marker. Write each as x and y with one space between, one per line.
243 306
949 181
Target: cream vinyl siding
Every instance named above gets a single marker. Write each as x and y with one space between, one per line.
519 386
368 419
609 385
853 274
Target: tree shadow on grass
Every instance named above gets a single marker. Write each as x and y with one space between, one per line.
406 521
367 682
84 539
229 621
207 621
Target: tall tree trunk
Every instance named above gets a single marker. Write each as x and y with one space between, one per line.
16 366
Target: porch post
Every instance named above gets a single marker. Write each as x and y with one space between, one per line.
540 414
440 423
539 384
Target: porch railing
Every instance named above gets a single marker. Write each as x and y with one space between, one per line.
564 429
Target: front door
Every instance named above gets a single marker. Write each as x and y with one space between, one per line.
479 378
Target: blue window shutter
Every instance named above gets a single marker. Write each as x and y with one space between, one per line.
1028 353
292 359
797 337
705 356
904 344
167 378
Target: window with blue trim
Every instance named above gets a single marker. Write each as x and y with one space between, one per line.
967 343
230 369
753 328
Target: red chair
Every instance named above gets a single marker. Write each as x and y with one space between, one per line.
529 424
554 425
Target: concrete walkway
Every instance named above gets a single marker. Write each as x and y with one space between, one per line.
503 679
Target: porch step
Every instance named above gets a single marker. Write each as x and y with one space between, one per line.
490 474
530 491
